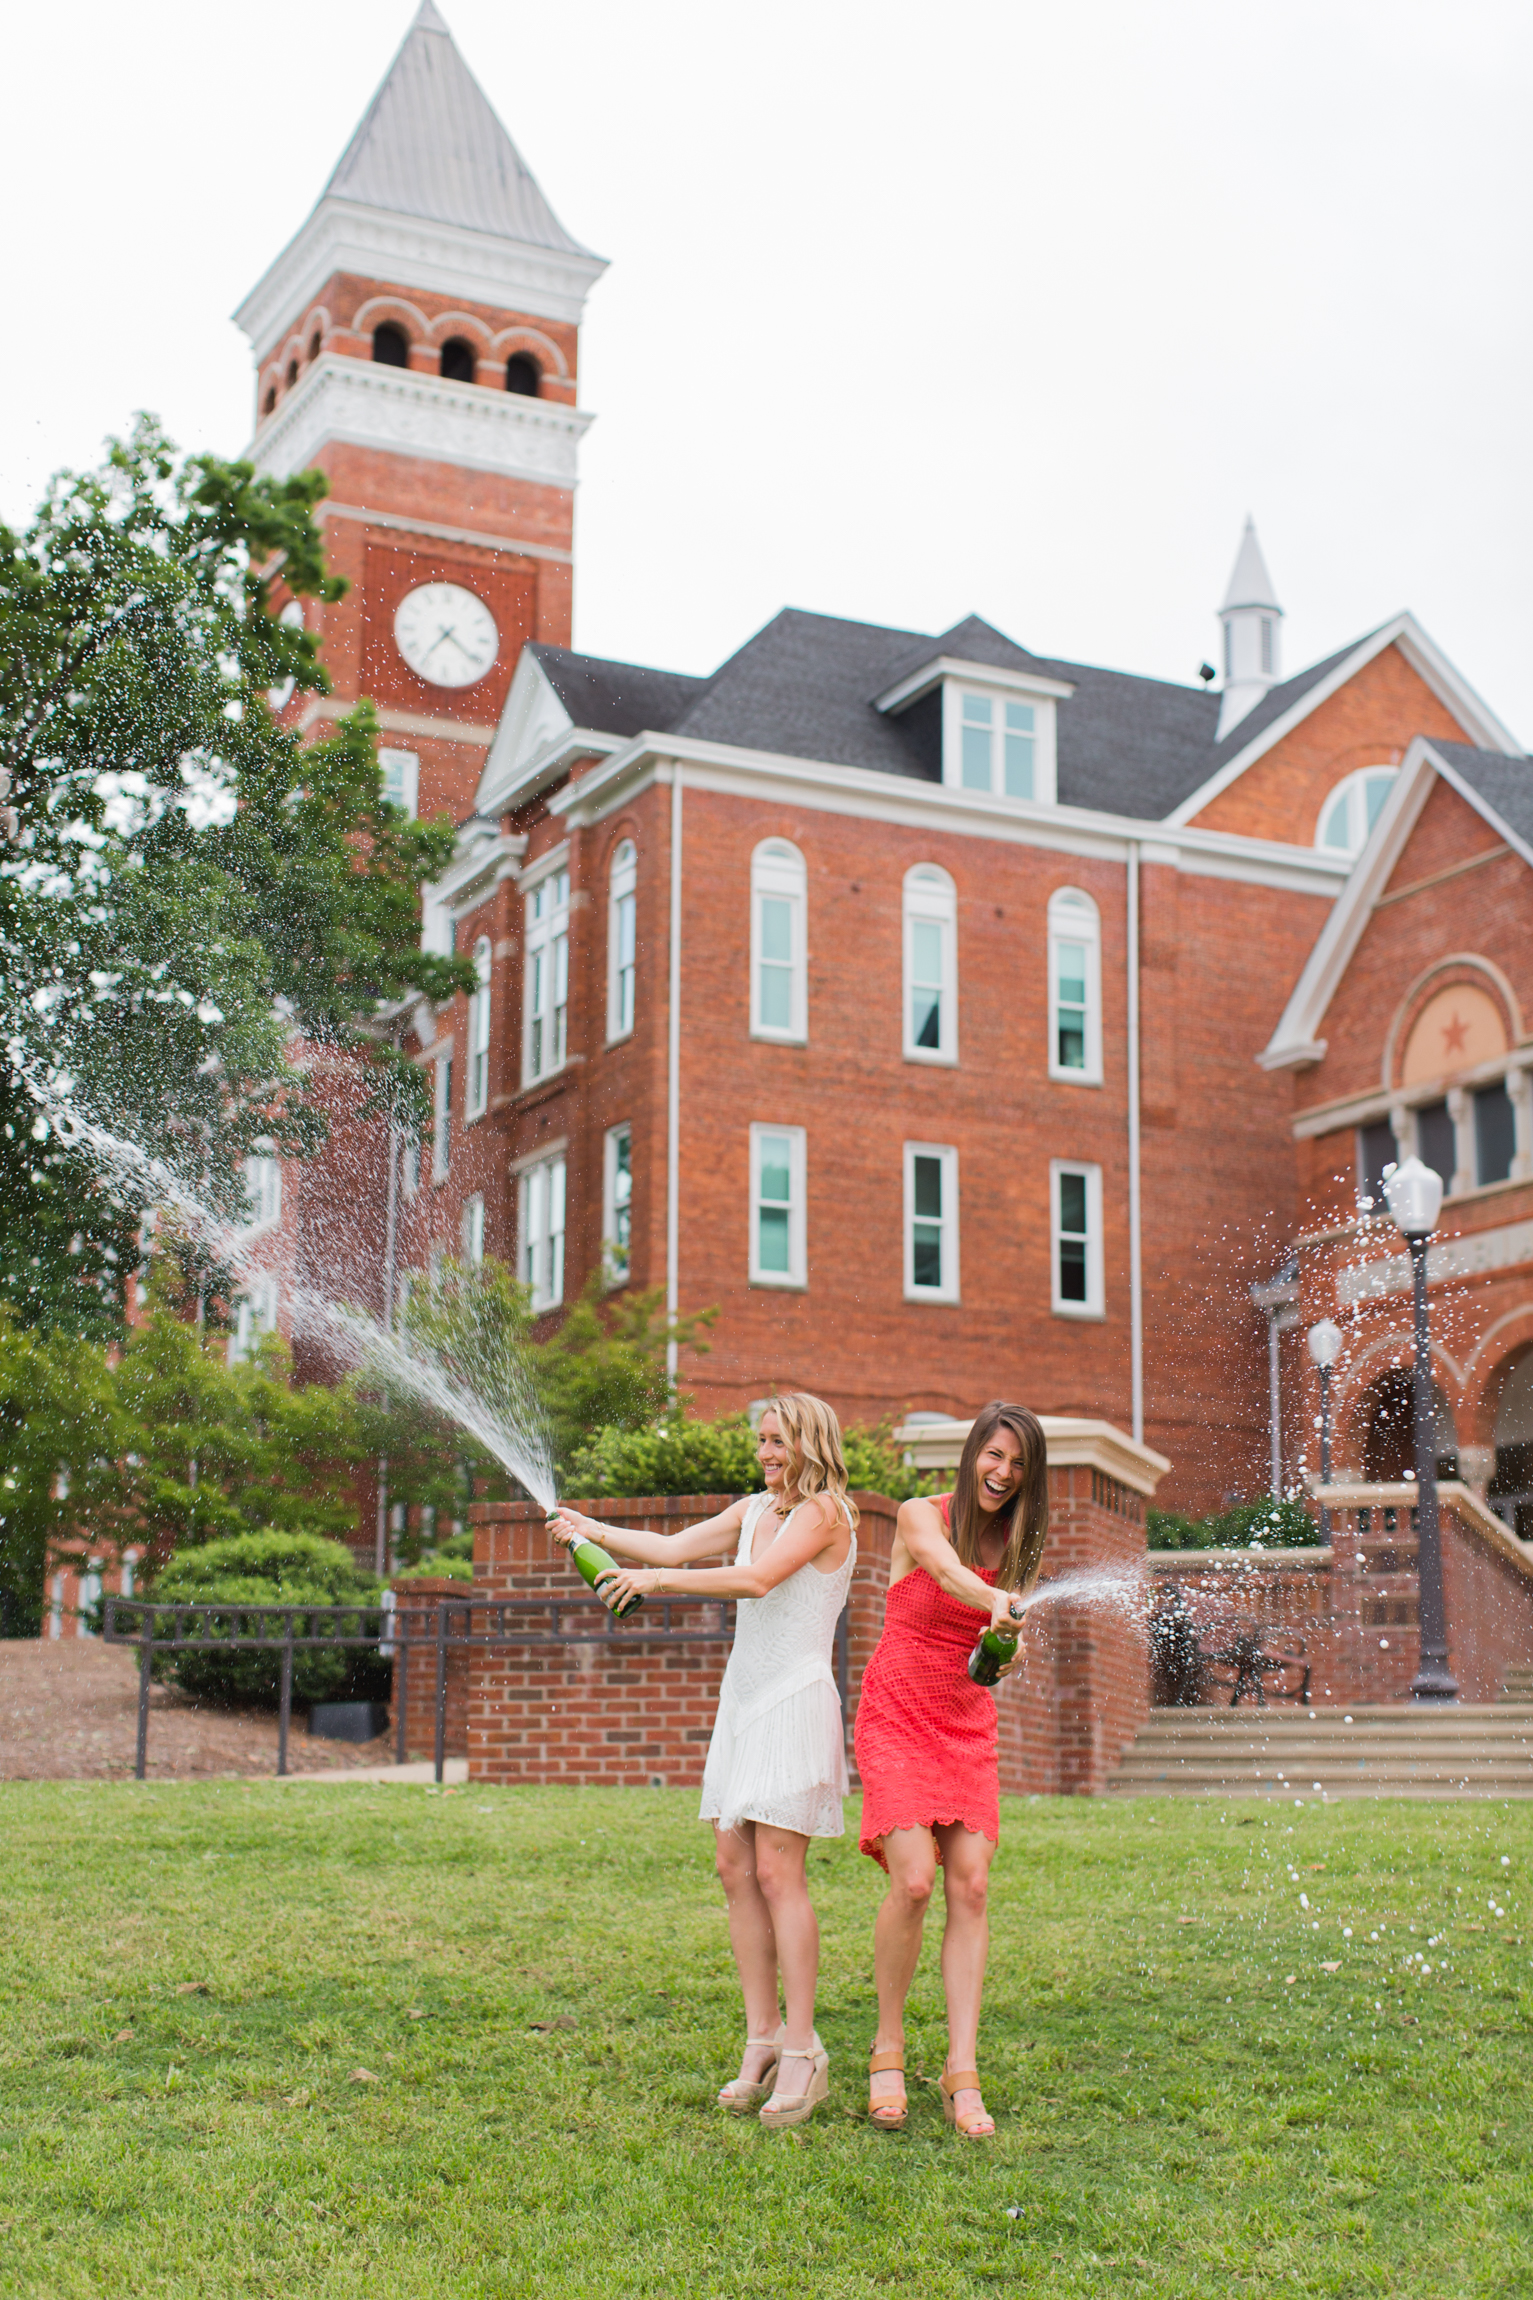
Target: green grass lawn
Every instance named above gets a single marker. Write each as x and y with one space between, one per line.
539 1984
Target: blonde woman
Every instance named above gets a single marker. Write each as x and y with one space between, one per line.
776 1770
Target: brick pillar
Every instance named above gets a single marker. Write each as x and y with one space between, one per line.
421 1596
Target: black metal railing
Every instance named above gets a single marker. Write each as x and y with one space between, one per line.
437 1625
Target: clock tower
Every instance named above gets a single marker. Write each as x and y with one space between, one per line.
418 341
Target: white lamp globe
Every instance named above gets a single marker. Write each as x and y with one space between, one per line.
1325 1340
1414 1195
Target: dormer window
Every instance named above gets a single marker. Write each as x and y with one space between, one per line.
998 742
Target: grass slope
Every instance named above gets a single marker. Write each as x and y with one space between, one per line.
1177 2116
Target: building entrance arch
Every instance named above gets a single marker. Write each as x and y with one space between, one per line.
1388 1417
1510 1492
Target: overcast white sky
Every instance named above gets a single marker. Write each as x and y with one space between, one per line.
1003 305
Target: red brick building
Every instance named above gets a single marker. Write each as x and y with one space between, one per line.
956 1020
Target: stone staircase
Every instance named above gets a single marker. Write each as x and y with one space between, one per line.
1455 1751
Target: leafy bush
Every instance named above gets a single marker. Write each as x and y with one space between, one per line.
1264 1524
681 1455
451 1560
272 1568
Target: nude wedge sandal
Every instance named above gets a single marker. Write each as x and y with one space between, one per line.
980 2126
743 2093
798 2107
888 2115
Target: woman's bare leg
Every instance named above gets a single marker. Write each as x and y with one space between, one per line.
966 1859
912 1858
751 1938
780 1855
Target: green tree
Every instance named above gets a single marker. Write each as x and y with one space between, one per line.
62 1436
186 885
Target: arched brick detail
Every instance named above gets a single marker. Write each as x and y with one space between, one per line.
381 307
451 323
1392 1352
1462 967
1499 1350
542 348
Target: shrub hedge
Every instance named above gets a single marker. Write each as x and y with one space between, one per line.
681 1455
273 1568
1264 1524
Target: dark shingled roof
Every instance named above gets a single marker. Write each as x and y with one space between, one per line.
805 687
615 698
1505 784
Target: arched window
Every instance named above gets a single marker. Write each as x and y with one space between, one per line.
545 1000
931 965
477 1098
1075 988
779 943
523 374
622 915
390 345
1349 814
292 373
270 401
314 344
458 361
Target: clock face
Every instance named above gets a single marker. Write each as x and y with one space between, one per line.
445 634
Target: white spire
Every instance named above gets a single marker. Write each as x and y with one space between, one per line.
1252 622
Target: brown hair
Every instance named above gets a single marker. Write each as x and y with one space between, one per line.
812 1434
1029 1518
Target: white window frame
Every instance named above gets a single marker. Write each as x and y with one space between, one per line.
931 899
948 1291
546 977
401 773
476 1085
797 1272
441 1127
263 1188
1094 1306
622 941
472 1230
618 1251
778 874
1353 789
540 1230
255 1314
1045 771
1074 917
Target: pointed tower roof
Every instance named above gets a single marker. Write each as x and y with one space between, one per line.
430 193
1250 584
430 145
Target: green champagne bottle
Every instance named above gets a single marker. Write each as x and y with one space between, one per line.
591 1562
990 1656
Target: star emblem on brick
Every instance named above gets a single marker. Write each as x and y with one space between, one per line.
1455 1033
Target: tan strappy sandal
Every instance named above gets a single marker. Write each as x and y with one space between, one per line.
743 2093
888 2115
980 2126
786 2108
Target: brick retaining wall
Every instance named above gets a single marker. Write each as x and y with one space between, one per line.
644 1715
1353 1610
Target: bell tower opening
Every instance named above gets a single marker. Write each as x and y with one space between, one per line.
390 347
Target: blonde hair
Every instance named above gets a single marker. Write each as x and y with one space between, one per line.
816 1463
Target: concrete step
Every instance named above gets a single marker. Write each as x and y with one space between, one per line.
1481 1749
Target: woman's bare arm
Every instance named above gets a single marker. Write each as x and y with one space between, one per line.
817 1526
920 1527
705 1540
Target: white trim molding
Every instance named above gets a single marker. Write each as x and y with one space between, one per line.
1426 659
871 796
919 683
1296 1041
403 413
413 252
1468 1256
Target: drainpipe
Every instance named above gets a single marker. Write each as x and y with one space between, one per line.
390 1282
1135 1258
673 1088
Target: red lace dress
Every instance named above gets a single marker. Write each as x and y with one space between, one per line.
926 1737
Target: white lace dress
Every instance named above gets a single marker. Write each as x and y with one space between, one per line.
778 1752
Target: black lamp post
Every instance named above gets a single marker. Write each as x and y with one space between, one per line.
1325 1341
1415 1195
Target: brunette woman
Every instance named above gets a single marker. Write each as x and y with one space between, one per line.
927 1743
776 1770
